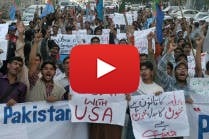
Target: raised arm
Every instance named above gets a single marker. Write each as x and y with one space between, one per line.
198 66
151 55
33 66
165 79
20 41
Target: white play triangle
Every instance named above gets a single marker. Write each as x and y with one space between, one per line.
103 68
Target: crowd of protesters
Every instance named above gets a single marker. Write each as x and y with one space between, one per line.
34 72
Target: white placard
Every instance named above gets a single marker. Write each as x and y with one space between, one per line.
3 46
159 116
141 42
109 109
3 30
65 42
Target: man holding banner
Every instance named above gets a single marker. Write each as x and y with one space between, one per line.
12 90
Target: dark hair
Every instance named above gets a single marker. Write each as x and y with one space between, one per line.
68 28
48 62
97 28
66 58
181 55
52 44
196 24
180 40
147 64
43 31
143 54
181 63
121 40
207 65
178 48
38 55
186 44
97 38
170 65
16 58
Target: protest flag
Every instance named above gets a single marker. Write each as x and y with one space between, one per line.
159 22
99 9
48 9
12 11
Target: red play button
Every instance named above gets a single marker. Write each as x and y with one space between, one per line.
104 69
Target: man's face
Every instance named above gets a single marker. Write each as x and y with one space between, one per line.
177 52
66 66
187 50
55 30
48 33
181 73
98 32
181 42
169 70
146 73
54 51
143 59
48 72
15 67
38 60
87 25
95 41
180 34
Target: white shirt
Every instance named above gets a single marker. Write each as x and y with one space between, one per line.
62 80
148 88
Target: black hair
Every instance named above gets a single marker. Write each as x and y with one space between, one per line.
15 58
121 40
68 28
147 64
185 44
48 62
170 65
178 48
43 31
52 44
181 63
180 40
66 58
94 39
207 66
196 24
97 28
38 55
181 55
143 54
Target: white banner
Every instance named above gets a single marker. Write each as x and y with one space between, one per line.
86 39
198 115
3 46
159 116
109 109
40 120
200 85
65 42
119 19
141 42
121 36
3 30
191 63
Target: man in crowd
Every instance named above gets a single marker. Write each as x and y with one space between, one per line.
12 90
43 88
